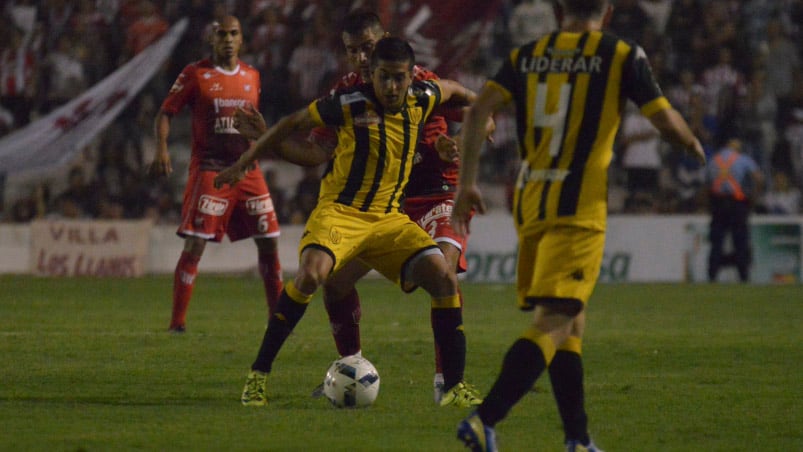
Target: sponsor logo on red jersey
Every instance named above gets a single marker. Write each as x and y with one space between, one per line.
259 205
212 205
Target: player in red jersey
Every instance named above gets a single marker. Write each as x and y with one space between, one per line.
429 194
214 89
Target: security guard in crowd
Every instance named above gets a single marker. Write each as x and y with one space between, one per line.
733 181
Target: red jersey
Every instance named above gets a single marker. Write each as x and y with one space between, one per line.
214 94
430 175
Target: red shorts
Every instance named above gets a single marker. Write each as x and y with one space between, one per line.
434 214
243 211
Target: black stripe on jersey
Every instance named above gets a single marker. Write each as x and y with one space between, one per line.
589 127
382 155
362 148
405 157
554 164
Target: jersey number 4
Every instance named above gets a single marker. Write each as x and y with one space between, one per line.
556 121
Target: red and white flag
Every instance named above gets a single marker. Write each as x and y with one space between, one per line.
54 140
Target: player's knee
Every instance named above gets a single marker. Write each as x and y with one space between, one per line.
439 282
267 245
308 282
194 246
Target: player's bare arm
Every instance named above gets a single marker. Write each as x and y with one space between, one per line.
455 94
161 165
299 121
472 136
675 129
251 124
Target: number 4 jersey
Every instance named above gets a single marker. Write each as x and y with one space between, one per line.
569 91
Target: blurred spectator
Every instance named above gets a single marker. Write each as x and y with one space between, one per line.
756 121
531 19
79 191
146 29
690 181
55 19
62 75
30 207
703 124
278 195
686 17
268 40
681 92
793 137
630 21
95 53
717 32
312 52
111 208
782 198
17 74
6 121
781 61
306 195
641 159
724 84
66 207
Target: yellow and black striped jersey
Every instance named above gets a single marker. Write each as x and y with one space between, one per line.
569 91
375 150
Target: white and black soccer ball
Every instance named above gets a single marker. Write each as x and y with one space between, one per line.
351 382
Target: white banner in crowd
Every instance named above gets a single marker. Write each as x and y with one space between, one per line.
53 140
90 248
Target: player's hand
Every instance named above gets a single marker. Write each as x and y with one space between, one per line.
447 148
229 176
466 200
249 122
161 166
697 151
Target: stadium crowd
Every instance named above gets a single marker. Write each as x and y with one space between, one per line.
732 68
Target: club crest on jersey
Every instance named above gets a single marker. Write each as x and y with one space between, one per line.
216 87
212 205
247 88
259 205
367 119
335 236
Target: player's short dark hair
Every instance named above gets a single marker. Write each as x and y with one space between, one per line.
392 49
583 9
361 20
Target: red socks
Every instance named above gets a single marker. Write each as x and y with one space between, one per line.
344 317
271 272
183 283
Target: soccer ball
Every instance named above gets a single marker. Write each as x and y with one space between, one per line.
351 382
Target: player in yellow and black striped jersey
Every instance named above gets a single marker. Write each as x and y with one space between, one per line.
357 215
373 158
569 89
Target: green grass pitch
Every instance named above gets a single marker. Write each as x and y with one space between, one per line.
87 365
